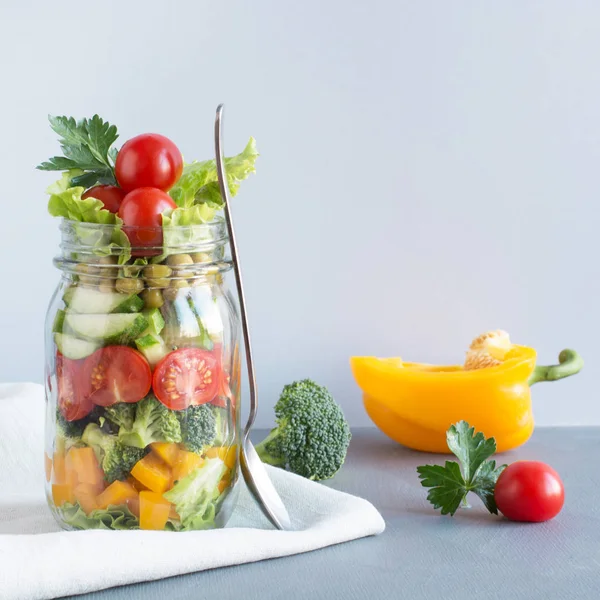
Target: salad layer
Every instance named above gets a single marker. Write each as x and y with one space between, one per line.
142 416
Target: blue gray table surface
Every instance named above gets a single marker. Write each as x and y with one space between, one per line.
422 555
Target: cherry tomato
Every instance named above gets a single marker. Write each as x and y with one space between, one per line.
141 211
148 160
72 401
187 376
116 374
110 195
529 490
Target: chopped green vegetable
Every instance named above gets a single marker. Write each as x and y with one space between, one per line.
86 145
451 483
121 414
154 422
114 517
198 427
115 458
312 434
195 495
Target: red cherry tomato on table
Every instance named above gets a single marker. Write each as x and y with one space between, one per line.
116 374
110 195
148 160
141 211
187 376
72 401
529 490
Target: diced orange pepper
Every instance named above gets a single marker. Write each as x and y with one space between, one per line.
48 466
133 504
167 451
84 463
61 493
224 483
152 472
136 484
228 454
58 466
116 494
85 494
186 463
154 511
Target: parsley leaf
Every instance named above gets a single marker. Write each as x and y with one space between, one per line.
86 145
450 484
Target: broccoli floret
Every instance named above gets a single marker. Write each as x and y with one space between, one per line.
69 429
121 414
198 427
72 431
153 422
312 435
115 459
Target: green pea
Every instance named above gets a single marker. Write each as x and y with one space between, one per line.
152 298
129 285
201 257
177 260
157 276
106 285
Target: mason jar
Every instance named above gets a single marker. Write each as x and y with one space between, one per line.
142 379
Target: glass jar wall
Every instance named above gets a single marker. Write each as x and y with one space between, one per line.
142 380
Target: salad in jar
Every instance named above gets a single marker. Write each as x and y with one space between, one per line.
142 360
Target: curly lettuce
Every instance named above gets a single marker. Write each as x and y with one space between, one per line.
66 201
195 496
114 517
199 182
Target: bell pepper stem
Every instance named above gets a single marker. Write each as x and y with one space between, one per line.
569 363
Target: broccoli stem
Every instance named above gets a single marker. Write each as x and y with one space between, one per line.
265 455
570 363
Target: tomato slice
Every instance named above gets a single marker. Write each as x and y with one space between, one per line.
187 376
116 374
72 401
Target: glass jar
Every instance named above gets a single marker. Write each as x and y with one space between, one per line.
142 379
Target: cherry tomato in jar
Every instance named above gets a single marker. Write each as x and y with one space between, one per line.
110 195
116 374
187 376
141 211
529 491
148 160
72 401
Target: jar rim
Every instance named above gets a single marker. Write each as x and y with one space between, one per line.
110 238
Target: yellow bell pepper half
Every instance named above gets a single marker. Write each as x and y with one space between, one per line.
415 404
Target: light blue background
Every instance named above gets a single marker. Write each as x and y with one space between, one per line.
428 171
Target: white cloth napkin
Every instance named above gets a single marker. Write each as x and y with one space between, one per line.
39 560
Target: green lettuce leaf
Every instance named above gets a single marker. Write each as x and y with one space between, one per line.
114 517
66 201
184 227
199 182
194 496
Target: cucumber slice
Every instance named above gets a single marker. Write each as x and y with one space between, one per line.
155 321
74 348
112 329
59 321
152 347
91 301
